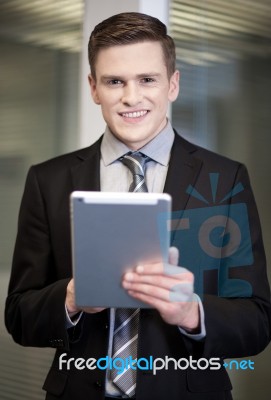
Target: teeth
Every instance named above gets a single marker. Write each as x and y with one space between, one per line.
135 114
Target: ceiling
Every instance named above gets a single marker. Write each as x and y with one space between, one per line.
210 31
205 31
52 23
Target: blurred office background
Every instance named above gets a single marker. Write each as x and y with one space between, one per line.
224 54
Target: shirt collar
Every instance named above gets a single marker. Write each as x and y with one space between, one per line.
158 149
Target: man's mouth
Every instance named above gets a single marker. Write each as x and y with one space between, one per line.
135 114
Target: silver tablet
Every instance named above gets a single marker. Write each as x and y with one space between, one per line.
111 234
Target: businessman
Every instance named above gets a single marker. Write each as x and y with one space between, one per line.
133 78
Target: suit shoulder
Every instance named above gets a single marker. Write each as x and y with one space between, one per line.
67 160
206 155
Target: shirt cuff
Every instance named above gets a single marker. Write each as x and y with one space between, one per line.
72 321
201 335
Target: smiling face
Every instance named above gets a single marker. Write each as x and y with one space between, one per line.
133 89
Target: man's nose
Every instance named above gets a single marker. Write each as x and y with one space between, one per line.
131 94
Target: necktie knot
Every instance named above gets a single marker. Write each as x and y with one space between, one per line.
136 163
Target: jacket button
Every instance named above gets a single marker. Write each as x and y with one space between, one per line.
56 343
98 384
60 343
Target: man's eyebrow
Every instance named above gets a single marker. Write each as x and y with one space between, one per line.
121 78
153 74
109 77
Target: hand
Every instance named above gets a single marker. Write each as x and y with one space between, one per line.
167 288
70 302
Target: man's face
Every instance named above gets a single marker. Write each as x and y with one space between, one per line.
133 89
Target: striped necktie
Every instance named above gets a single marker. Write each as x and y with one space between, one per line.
136 163
127 319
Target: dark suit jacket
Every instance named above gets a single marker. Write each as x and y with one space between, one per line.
35 315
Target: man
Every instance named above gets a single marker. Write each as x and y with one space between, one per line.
133 78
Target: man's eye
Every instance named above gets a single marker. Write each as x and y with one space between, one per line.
114 82
148 80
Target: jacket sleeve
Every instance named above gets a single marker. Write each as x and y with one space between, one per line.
238 318
35 312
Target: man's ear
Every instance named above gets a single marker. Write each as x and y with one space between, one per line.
93 89
174 86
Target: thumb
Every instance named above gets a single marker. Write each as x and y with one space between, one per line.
173 256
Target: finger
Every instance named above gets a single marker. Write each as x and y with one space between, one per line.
154 268
159 269
151 292
163 281
181 292
153 302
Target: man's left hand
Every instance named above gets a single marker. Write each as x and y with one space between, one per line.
169 289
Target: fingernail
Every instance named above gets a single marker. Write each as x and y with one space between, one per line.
128 276
139 269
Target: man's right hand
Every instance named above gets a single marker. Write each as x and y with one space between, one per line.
70 302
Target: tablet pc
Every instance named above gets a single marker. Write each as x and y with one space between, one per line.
111 234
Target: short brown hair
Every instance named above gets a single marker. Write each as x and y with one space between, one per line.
129 28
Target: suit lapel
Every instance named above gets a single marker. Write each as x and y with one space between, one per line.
183 171
86 173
